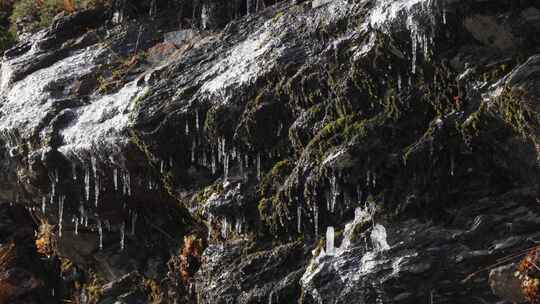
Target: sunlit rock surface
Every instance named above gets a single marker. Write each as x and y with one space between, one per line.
207 166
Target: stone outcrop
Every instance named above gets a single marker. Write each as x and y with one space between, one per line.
207 169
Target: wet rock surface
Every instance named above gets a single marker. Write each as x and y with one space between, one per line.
207 167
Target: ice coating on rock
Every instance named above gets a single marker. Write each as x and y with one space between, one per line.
330 249
378 238
29 100
100 125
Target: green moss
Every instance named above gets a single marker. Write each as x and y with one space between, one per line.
7 39
202 196
275 178
277 16
42 13
510 106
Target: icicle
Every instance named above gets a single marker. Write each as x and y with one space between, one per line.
259 166
122 235
193 147
170 162
127 183
76 220
161 167
335 193
299 218
100 232
197 120
224 228
74 171
413 28
94 165
108 225
115 179
226 166
213 162
43 204
153 9
187 128
133 222
96 188
87 183
240 166
378 238
330 241
238 226
53 191
60 214
316 219
368 178
444 12
452 165
374 179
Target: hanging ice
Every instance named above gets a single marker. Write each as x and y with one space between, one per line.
76 221
60 214
87 183
226 166
452 165
259 166
316 219
74 171
378 238
330 250
100 232
213 163
133 222
115 179
193 147
122 235
335 193
240 165
238 226
94 165
299 218
127 183
187 128
96 188
43 204
197 119
224 228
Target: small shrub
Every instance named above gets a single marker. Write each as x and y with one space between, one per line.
529 274
40 13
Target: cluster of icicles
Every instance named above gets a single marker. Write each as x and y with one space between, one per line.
423 35
221 153
332 199
122 184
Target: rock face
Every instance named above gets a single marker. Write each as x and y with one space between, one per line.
207 169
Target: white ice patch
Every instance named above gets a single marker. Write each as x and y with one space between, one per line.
378 238
101 124
242 64
29 101
385 12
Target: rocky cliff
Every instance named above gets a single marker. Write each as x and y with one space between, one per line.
345 151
